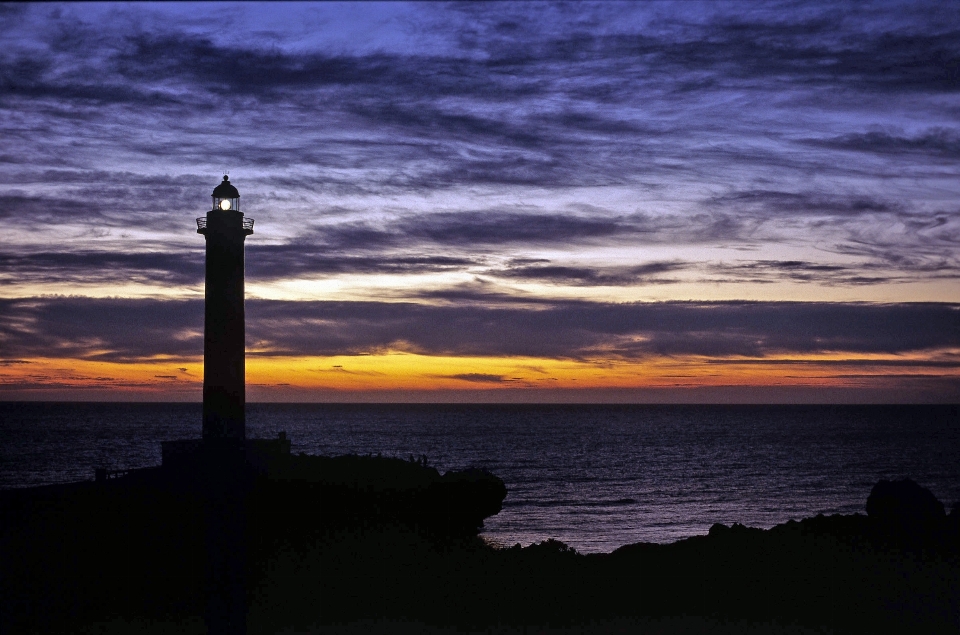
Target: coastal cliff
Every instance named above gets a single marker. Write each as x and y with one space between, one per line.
158 541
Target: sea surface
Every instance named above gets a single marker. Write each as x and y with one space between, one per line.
594 476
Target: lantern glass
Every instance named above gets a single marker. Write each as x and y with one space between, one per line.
226 204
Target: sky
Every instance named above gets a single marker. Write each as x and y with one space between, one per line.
487 202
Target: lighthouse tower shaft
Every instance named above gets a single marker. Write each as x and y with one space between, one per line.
224 393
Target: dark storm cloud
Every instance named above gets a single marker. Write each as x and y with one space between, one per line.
111 329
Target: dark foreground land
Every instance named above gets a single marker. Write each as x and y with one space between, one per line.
373 545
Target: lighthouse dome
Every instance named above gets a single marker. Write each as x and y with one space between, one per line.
226 189
226 197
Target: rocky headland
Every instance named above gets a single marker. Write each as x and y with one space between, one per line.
372 544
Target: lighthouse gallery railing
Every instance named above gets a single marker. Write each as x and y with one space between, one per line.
202 224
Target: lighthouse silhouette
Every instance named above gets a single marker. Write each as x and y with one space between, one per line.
223 452
225 229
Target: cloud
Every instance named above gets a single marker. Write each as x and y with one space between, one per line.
467 136
299 260
177 268
846 363
581 330
540 103
831 275
479 378
483 229
915 50
772 202
738 271
107 329
121 330
648 273
924 245
935 143
896 242
817 53
45 200
494 62
498 227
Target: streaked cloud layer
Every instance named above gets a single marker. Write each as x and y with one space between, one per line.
754 196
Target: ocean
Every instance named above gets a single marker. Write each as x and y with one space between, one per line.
593 476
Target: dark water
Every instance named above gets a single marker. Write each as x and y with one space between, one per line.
595 477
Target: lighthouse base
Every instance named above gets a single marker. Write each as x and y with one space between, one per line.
193 454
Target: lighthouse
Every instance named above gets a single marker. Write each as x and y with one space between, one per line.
225 229
223 451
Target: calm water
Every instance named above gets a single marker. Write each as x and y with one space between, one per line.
595 477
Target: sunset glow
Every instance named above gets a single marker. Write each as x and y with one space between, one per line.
406 376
